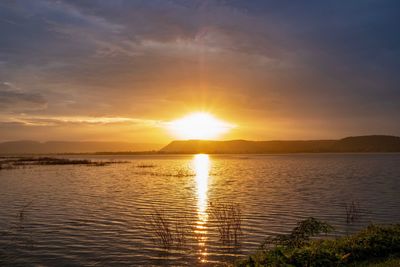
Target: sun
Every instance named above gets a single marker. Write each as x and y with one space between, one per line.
199 125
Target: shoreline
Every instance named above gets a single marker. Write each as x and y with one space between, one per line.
151 153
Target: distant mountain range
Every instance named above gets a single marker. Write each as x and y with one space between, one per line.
371 143
54 147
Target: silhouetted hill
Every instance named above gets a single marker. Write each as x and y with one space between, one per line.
370 143
373 143
32 147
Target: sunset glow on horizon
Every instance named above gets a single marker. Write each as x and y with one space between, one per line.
199 125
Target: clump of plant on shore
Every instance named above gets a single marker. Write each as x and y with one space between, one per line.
299 249
300 235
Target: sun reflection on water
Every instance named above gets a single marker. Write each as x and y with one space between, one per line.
201 164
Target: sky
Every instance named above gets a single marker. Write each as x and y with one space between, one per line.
122 70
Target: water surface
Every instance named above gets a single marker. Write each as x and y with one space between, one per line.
100 215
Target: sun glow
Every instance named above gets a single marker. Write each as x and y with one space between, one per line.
199 125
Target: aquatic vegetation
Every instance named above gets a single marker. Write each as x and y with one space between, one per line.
21 212
6 163
172 232
353 212
145 166
13 163
228 220
373 242
6 166
180 173
168 232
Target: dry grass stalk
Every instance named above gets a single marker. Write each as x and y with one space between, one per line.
353 212
228 220
167 232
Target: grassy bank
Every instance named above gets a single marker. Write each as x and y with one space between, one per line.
390 262
375 246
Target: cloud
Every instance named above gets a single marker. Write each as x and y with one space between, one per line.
12 99
267 61
25 120
78 128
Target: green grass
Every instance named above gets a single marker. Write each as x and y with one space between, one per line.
375 245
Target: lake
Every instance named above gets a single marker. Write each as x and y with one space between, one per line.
105 215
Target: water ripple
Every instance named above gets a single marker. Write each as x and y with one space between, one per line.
96 216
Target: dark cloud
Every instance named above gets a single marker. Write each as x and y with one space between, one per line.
12 99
